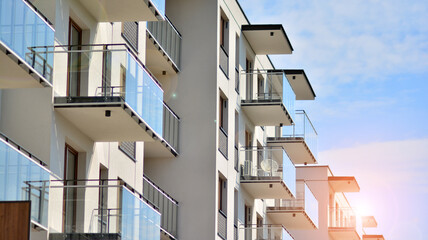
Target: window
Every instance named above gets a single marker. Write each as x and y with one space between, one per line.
129 149
223 113
237 64
130 34
222 195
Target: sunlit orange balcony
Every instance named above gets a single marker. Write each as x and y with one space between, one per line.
373 237
343 184
344 224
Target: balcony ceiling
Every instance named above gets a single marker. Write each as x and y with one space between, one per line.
90 119
296 148
120 11
343 184
14 75
266 113
343 233
267 39
300 84
290 219
265 189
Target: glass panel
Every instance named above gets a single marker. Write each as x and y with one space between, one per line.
286 235
144 95
23 179
21 29
311 206
289 173
302 128
288 96
139 220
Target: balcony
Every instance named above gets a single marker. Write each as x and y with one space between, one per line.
269 98
268 173
102 209
267 39
265 232
168 207
125 10
18 168
373 237
163 48
300 84
369 221
344 224
113 97
343 184
299 213
298 140
22 30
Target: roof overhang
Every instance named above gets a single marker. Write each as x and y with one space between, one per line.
369 222
344 184
300 84
267 39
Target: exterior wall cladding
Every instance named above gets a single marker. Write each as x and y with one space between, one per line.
158 119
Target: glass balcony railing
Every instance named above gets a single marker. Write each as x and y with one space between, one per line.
302 128
160 6
344 218
168 207
168 38
268 86
110 73
269 163
304 201
22 29
92 209
268 232
17 171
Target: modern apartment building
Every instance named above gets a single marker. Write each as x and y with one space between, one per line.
155 119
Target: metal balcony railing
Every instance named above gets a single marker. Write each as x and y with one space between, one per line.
222 141
168 38
22 29
222 225
108 208
265 232
168 207
344 218
263 163
267 86
304 201
224 61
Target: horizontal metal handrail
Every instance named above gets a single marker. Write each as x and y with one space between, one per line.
125 46
160 190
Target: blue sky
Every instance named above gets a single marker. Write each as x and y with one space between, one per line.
368 63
